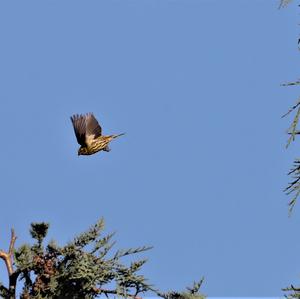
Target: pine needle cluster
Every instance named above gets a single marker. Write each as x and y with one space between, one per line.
293 187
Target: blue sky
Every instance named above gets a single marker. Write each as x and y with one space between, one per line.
195 84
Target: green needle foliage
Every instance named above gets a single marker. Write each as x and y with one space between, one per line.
84 268
293 188
292 292
80 269
190 293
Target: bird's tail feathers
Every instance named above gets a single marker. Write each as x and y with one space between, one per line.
118 135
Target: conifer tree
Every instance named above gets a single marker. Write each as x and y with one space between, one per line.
87 267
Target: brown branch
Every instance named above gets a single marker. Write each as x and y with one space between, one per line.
7 257
11 249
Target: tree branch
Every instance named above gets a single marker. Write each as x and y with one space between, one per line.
12 243
7 257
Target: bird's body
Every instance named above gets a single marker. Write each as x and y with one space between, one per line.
89 135
97 145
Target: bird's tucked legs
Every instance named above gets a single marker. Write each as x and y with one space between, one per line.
107 149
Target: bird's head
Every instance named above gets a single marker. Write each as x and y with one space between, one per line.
82 151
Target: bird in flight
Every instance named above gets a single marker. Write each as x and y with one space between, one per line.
89 134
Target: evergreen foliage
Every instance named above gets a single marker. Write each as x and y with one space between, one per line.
292 292
190 293
293 188
83 268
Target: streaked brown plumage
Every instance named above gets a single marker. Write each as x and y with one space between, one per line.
89 134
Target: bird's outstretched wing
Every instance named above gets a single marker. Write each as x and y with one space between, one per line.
86 127
92 126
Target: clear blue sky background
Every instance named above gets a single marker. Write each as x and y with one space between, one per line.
195 84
